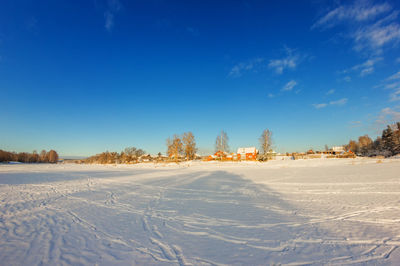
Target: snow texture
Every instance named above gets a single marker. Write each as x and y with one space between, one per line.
321 211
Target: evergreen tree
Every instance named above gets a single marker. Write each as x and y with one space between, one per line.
388 141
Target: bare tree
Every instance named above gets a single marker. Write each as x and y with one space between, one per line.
34 157
352 146
189 145
124 158
266 142
52 156
139 152
221 143
132 154
169 147
130 151
43 157
397 139
364 144
174 147
23 157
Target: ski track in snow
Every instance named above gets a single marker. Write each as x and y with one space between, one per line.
306 212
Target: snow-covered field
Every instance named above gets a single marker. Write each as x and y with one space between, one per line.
332 211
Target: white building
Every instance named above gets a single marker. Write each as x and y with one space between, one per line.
338 148
247 153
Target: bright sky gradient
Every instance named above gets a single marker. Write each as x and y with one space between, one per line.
83 77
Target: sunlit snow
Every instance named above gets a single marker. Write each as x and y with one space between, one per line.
322 211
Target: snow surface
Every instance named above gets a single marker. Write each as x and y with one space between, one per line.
321 211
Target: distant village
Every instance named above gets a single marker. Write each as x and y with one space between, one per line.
242 154
183 148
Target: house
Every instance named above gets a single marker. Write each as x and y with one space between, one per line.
145 158
310 151
249 153
338 149
219 155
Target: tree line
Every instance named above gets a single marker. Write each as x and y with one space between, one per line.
388 144
128 155
26 157
183 146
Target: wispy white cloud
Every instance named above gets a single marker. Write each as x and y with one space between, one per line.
271 95
320 105
392 83
32 24
193 31
279 65
394 76
395 95
332 91
360 11
289 86
371 25
109 20
374 37
113 7
354 124
290 61
388 116
391 86
365 68
240 68
347 78
339 102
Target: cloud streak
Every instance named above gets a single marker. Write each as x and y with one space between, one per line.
290 61
243 67
109 20
394 76
320 105
360 11
392 83
332 91
372 26
339 102
365 68
113 7
388 116
289 86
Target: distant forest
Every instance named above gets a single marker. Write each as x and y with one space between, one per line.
129 155
388 144
25 157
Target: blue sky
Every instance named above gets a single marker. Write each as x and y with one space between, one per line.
83 77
